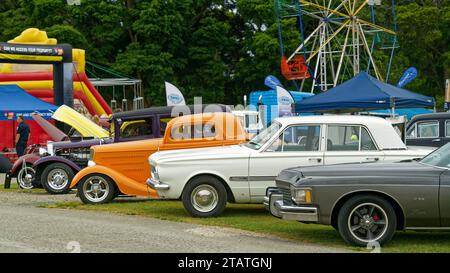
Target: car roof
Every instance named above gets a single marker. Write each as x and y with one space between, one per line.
202 117
331 119
225 121
380 129
430 116
169 109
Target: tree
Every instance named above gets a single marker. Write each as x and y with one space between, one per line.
217 49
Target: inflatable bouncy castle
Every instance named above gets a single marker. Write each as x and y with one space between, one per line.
37 79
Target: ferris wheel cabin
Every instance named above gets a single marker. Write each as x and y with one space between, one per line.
294 69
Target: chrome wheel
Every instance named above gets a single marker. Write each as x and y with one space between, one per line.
96 189
204 198
368 222
57 179
25 177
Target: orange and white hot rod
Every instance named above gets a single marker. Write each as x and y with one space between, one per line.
122 168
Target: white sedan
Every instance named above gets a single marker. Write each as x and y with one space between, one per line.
205 179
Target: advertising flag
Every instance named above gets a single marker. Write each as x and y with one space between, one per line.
174 95
285 102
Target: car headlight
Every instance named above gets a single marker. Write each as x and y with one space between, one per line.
301 195
42 151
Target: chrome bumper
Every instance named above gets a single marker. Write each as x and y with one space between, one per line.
156 185
273 202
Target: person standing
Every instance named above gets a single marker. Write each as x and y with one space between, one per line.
22 134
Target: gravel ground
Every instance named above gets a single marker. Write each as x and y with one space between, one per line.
27 228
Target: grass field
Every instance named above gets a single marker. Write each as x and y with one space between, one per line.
255 218
15 187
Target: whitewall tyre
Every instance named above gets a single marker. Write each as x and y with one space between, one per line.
204 196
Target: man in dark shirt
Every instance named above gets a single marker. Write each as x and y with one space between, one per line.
23 132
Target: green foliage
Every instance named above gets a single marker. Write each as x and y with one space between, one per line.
216 49
69 35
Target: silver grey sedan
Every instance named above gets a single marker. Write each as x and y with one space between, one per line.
367 202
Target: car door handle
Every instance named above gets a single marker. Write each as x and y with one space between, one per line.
436 140
318 159
372 158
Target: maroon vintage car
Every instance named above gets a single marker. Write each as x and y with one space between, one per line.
22 167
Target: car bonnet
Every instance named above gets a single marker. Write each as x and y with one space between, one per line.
212 153
51 130
83 125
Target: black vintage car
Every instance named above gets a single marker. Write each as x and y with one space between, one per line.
367 202
429 130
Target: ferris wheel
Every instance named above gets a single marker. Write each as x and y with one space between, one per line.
338 39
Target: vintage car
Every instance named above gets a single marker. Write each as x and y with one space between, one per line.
80 130
62 160
205 179
367 202
429 130
122 169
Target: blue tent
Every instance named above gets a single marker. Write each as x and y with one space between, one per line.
15 101
363 92
270 100
409 113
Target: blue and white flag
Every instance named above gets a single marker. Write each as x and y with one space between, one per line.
285 102
272 82
409 75
174 95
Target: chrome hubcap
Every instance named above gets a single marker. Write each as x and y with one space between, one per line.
204 198
57 179
368 222
96 189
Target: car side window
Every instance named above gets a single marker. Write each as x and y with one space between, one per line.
194 131
163 120
349 138
138 128
428 129
343 138
297 138
411 133
366 141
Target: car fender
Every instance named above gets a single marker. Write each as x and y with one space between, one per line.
29 159
366 190
178 187
206 172
55 159
125 184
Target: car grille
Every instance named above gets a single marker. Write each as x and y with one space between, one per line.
287 198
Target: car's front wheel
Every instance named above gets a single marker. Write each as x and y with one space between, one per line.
56 178
96 189
25 177
204 196
365 219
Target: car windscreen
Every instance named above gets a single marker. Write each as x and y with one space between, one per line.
259 140
439 158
